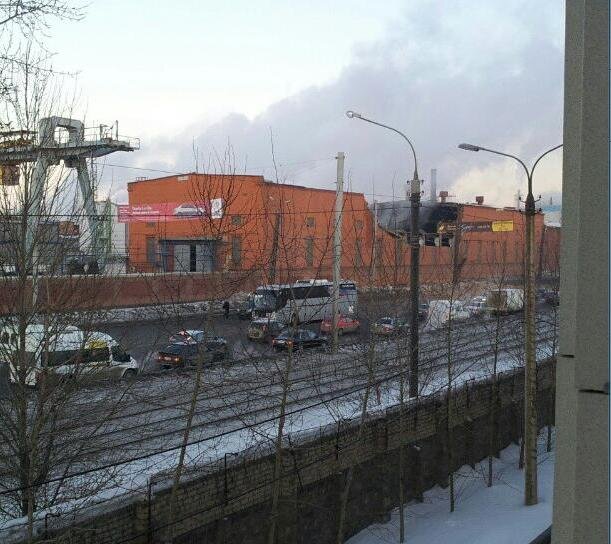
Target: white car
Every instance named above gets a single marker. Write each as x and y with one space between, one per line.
477 305
189 209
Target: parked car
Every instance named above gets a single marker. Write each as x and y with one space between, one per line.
264 330
440 312
246 308
345 324
298 339
387 326
552 298
477 305
185 354
189 336
423 311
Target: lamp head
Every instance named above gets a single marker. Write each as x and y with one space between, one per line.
469 147
352 114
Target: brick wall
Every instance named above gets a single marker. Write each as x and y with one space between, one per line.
233 505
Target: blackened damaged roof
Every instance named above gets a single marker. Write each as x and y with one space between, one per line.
395 216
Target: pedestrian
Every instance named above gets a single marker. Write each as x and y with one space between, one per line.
226 309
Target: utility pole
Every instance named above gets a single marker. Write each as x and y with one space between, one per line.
414 283
274 255
415 255
531 429
337 243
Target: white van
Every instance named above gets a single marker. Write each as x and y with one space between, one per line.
440 311
69 352
505 301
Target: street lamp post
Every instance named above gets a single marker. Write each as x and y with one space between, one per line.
530 370
415 257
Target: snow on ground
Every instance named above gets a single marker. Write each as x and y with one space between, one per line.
132 477
483 515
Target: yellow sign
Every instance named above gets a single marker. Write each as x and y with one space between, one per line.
96 344
502 226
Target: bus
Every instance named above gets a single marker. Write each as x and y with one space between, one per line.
69 352
304 301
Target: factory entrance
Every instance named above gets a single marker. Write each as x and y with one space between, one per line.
188 255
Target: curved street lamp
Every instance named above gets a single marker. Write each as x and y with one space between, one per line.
414 254
530 369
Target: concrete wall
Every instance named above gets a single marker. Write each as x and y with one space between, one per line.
581 493
217 505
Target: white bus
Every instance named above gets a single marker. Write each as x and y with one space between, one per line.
304 301
69 352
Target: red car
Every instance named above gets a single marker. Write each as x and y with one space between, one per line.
345 325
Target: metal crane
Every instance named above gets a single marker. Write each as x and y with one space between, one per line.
74 145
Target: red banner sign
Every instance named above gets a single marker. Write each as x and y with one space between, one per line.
171 211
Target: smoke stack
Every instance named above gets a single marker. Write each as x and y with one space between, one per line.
433 194
479 200
443 196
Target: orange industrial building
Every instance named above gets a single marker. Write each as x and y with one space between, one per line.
199 223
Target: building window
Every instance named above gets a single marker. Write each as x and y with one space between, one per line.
309 252
358 224
236 251
151 250
310 222
236 219
150 224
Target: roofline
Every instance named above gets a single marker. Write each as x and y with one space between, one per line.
261 179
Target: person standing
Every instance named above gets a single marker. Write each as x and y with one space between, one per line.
226 309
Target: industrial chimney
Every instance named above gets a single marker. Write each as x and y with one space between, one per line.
479 200
433 193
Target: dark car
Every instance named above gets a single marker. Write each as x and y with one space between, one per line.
387 326
184 354
246 309
299 339
552 298
264 330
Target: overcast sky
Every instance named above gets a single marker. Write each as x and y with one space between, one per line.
219 75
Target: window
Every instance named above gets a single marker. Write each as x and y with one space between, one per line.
318 291
151 250
59 358
358 224
95 355
310 222
119 355
309 252
150 224
236 219
236 251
